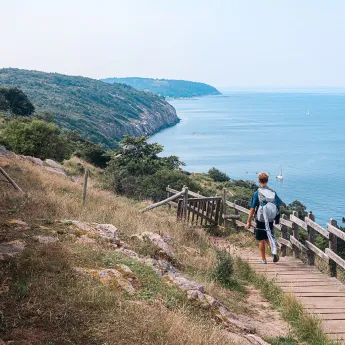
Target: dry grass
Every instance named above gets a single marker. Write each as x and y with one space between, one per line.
46 304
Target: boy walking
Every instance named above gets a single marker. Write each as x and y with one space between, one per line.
265 204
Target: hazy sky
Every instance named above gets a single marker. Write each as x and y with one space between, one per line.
222 42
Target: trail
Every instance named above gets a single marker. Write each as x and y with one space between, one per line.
320 294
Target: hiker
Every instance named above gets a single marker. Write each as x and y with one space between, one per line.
265 204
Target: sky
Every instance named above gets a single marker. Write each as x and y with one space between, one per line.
227 43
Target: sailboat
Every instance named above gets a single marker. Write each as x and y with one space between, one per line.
280 176
308 113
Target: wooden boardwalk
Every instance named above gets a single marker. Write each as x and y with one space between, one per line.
319 293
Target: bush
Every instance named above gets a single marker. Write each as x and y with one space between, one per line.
37 138
218 176
224 269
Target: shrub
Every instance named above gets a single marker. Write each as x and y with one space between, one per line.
224 269
218 176
37 138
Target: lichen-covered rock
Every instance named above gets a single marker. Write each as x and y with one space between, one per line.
78 224
113 277
46 239
206 301
17 222
108 232
182 282
10 249
157 240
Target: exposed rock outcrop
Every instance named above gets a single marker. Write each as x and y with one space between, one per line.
119 277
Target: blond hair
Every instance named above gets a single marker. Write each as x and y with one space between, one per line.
263 177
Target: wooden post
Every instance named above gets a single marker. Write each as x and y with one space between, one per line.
185 203
10 180
224 207
311 239
168 195
237 213
284 235
86 176
295 232
333 246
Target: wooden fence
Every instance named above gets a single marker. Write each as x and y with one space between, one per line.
197 209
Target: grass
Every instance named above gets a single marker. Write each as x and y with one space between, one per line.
44 302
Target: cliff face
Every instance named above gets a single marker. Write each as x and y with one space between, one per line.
100 112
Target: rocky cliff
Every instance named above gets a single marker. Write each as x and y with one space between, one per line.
100 112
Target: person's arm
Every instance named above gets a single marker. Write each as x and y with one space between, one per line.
250 216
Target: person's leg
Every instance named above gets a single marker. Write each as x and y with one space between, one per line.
262 250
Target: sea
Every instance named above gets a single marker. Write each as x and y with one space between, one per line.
243 132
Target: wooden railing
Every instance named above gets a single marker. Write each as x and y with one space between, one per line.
290 237
198 209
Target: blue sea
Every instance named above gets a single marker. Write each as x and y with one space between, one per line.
245 132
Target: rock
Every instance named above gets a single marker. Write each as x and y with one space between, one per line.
52 164
157 240
46 239
5 152
182 282
125 271
1 341
129 253
34 160
85 240
112 277
80 225
17 222
107 232
11 249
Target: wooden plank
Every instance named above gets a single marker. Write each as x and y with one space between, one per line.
277 226
317 251
332 316
195 200
316 227
150 207
298 221
241 209
333 326
340 234
304 289
304 283
285 242
329 302
286 222
325 294
336 258
230 204
298 244
218 206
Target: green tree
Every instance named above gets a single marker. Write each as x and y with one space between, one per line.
37 138
16 102
218 176
137 170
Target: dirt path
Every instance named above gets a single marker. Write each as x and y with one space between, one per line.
319 293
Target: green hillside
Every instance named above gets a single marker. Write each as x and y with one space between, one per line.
100 112
167 87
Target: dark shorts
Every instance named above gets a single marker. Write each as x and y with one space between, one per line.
260 232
